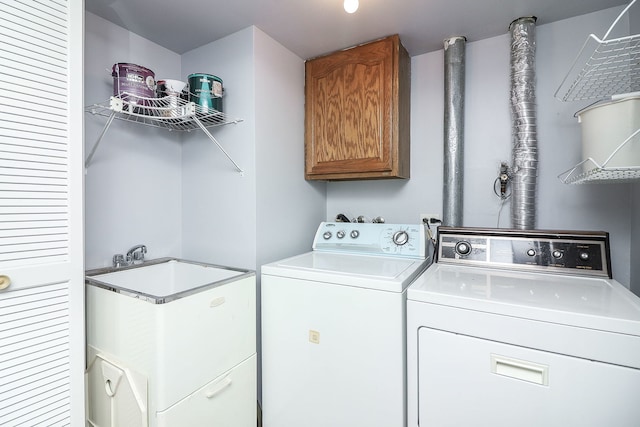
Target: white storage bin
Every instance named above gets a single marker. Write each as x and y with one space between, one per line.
607 125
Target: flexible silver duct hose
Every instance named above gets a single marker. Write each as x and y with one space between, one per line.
524 131
454 75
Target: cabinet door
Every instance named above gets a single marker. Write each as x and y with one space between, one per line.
357 113
41 242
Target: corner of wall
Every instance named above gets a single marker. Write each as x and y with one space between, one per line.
634 280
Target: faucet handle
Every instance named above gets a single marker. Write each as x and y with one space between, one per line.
139 256
118 260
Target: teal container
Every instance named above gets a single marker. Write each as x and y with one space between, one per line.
206 91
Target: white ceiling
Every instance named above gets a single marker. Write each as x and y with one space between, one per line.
313 27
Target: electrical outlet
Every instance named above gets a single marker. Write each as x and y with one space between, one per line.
427 217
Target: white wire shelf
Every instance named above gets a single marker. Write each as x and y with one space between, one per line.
603 67
590 171
600 175
170 113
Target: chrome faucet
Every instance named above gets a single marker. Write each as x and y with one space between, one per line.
135 255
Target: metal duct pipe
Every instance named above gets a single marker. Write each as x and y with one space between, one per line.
454 75
524 131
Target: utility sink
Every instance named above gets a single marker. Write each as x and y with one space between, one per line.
179 332
164 279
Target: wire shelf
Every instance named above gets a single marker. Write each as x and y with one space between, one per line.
603 67
590 171
600 175
171 113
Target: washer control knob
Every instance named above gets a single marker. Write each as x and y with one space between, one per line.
531 252
354 234
584 256
340 234
557 253
327 235
400 238
463 248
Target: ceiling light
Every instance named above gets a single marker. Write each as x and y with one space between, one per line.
350 6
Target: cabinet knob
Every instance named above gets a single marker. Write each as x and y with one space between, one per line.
5 282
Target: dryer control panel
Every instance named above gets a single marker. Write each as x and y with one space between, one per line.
403 240
565 252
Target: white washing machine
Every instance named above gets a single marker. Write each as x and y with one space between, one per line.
333 327
513 328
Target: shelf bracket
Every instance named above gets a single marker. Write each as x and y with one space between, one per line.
206 132
104 131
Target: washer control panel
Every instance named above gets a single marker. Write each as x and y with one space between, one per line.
568 252
404 240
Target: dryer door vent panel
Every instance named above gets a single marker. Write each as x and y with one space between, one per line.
463 379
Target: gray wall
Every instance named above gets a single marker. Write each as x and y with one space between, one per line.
207 211
177 193
635 240
219 203
289 208
132 186
488 141
233 219
634 28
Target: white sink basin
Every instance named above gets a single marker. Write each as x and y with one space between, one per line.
163 280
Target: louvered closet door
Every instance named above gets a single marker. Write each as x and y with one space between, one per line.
41 242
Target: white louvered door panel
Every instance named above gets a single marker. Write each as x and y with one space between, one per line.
34 357
33 135
41 241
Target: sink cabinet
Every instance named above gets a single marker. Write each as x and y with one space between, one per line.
357 113
178 357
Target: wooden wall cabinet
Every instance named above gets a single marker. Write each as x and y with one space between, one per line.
357 107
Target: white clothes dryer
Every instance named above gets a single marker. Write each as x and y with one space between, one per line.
333 327
522 328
